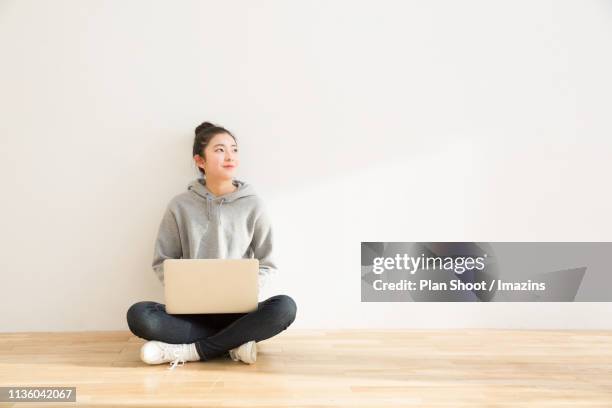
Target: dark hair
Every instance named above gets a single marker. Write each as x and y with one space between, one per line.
203 133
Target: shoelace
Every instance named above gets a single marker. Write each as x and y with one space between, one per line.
177 358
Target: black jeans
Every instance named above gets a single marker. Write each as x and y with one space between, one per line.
215 333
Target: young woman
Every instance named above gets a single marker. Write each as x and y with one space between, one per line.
217 217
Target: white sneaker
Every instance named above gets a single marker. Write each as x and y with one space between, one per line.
158 352
247 353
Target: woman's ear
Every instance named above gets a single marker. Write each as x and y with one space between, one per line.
199 161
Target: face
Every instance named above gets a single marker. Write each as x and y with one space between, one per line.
221 157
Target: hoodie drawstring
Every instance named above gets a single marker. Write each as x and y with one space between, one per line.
198 188
222 200
209 205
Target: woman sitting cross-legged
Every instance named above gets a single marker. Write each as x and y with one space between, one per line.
217 217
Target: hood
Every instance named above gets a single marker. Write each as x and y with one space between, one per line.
198 186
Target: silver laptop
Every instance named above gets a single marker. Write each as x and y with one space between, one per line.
194 286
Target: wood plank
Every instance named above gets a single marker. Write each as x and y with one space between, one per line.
360 368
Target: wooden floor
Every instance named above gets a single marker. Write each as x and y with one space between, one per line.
350 368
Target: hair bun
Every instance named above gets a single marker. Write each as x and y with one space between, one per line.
202 126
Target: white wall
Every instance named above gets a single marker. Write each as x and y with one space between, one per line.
358 121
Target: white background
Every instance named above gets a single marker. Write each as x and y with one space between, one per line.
357 121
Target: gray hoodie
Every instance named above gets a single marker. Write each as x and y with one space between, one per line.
199 225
